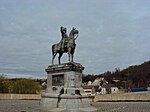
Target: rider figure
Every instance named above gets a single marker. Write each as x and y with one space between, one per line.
65 37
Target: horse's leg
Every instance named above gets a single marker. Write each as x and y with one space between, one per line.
53 58
60 55
72 54
69 53
71 57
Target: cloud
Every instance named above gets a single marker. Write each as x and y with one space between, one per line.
112 34
11 75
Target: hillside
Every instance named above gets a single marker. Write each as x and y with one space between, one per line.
137 76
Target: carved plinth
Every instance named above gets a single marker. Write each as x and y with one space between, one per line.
66 67
64 91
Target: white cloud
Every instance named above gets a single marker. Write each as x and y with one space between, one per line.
111 33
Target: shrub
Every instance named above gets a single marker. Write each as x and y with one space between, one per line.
26 86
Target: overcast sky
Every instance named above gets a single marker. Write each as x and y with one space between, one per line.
112 34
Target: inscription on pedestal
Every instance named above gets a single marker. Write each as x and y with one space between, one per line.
58 80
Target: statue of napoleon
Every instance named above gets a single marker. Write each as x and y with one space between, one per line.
66 45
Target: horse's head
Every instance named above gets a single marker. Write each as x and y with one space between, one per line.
74 32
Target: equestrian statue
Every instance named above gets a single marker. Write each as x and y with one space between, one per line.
66 45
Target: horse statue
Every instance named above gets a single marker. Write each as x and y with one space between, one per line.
69 47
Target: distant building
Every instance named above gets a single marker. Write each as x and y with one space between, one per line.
99 81
103 90
100 86
90 90
114 90
109 90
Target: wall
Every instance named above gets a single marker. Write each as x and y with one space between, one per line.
108 97
124 97
21 96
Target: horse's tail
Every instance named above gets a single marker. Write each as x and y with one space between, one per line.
53 48
53 53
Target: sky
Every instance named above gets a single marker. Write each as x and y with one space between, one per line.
112 34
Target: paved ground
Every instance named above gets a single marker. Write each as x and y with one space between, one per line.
122 106
19 106
34 106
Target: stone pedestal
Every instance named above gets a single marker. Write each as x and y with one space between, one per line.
64 92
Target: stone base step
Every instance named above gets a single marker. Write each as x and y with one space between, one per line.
89 109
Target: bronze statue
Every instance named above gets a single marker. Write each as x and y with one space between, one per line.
66 45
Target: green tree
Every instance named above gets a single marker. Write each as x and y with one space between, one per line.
6 85
26 86
89 77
